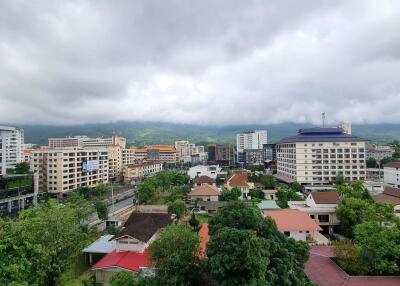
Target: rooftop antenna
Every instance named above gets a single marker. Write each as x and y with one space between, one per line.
323 119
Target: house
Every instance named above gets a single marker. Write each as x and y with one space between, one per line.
390 196
198 181
205 192
297 225
98 249
267 205
270 194
131 245
391 174
239 179
320 206
211 207
211 171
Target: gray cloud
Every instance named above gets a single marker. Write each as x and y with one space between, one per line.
207 62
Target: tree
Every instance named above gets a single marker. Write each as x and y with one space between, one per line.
339 180
297 187
22 168
371 163
176 255
256 194
177 207
284 195
354 190
380 247
194 222
102 210
125 278
350 258
230 195
42 243
238 257
268 181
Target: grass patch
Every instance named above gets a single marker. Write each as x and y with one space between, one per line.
75 275
202 218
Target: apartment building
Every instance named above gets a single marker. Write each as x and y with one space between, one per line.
316 156
223 155
379 152
66 142
250 140
269 152
162 153
391 174
115 163
64 170
134 173
11 146
185 148
104 142
129 156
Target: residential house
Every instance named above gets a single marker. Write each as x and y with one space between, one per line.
320 206
205 192
198 181
270 194
389 196
211 207
297 225
239 179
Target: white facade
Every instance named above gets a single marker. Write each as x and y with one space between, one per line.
252 140
75 141
104 142
211 171
391 174
11 147
380 152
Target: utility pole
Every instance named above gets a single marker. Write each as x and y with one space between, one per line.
323 119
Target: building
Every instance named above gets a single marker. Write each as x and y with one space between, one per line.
210 171
198 181
115 165
162 153
267 205
379 152
129 156
269 152
205 192
185 149
297 225
18 192
253 157
315 157
131 244
223 155
104 142
75 141
389 196
250 140
270 194
239 179
65 170
136 172
211 207
391 174
321 207
11 146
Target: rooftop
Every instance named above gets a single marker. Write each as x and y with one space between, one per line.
204 190
325 197
238 179
204 180
128 260
334 134
292 220
267 205
392 165
389 196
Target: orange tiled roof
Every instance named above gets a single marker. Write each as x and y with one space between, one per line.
162 148
237 179
292 220
204 190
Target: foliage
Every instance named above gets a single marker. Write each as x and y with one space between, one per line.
256 194
89 193
19 182
371 163
102 210
339 180
268 182
41 244
281 258
238 257
177 207
22 168
354 190
350 258
194 222
297 187
284 195
123 278
176 255
230 195
256 168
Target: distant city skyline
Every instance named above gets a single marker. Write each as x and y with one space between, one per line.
199 62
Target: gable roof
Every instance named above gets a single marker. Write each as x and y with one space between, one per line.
204 190
143 226
325 197
292 220
238 179
392 165
128 260
204 180
389 196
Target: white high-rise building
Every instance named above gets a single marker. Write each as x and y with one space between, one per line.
250 140
11 146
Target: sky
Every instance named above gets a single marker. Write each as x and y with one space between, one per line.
199 62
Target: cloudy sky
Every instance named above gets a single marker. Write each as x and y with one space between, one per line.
204 62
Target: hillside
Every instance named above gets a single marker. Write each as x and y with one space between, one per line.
140 133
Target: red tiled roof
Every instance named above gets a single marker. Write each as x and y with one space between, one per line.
392 165
204 238
292 220
128 260
204 190
204 180
389 196
325 197
238 179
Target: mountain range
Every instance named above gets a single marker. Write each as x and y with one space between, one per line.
141 133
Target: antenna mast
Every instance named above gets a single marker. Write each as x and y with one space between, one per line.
323 119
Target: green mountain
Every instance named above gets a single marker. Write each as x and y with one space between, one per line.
140 133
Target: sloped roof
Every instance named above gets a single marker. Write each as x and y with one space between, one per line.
292 220
102 245
238 179
325 197
267 205
204 190
389 196
392 165
143 226
128 260
204 180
